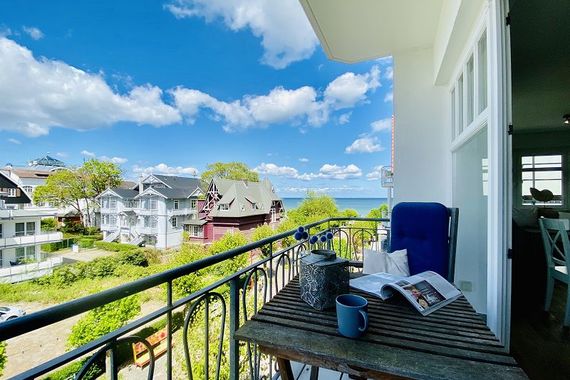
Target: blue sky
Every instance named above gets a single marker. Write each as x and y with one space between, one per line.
168 87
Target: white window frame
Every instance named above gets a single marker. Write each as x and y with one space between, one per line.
174 222
176 204
193 204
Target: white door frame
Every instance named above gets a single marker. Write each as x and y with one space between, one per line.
500 181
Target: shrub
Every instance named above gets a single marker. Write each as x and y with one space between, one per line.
136 257
92 231
48 224
85 242
115 247
73 227
2 356
102 320
260 233
230 240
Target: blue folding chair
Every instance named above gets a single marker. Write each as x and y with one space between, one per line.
428 231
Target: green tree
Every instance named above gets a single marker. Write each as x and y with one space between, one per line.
229 170
313 208
78 187
102 320
260 233
49 224
230 240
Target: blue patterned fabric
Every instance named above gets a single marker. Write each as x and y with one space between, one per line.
422 229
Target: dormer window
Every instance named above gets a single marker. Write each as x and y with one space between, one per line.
223 207
176 204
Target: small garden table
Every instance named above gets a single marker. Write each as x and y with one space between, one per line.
451 343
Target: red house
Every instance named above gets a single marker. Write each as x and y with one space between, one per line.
232 205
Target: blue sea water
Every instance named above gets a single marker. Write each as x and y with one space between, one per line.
361 205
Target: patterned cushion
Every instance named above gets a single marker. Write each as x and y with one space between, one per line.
422 229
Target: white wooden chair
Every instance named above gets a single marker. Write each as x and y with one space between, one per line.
557 250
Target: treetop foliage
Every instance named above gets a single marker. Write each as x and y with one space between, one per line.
229 170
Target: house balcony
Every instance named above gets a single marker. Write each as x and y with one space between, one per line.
41 238
259 280
182 211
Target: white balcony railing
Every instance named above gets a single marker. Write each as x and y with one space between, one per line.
41 238
182 211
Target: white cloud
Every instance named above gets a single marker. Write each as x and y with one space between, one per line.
389 97
61 154
33 32
162 168
272 169
280 105
364 145
115 160
344 118
375 174
286 34
38 94
381 125
327 171
88 153
349 88
14 141
339 172
303 159
389 73
295 189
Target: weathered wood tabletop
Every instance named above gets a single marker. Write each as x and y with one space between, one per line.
451 343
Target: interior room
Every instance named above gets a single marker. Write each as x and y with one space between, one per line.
541 160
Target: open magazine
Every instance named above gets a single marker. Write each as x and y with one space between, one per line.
426 291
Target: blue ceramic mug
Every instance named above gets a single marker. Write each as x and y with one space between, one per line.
352 315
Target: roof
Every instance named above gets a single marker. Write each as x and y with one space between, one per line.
47 161
176 182
125 193
196 222
244 198
32 173
7 181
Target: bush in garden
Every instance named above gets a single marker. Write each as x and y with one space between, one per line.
48 224
2 357
73 227
230 240
115 247
262 232
85 243
102 320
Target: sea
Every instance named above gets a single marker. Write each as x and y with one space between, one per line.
361 205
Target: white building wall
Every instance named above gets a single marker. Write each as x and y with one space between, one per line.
422 167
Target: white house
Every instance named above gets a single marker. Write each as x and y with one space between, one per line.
20 229
464 83
152 212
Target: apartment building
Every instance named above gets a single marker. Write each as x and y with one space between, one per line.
152 212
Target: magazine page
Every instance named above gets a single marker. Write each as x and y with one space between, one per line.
427 291
375 284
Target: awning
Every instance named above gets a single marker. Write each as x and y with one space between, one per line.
196 222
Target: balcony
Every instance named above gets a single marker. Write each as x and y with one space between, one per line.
41 238
182 211
227 302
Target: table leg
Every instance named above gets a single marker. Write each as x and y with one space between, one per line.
314 372
285 370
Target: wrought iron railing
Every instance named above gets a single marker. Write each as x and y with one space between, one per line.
225 304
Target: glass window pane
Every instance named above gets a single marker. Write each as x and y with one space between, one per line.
470 91
453 115
460 105
482 72
543 173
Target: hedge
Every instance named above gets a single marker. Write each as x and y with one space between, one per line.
115 247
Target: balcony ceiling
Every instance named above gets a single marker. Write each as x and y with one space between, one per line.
358 30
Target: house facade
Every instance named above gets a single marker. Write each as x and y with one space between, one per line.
457 73
235 205
153 212
21 236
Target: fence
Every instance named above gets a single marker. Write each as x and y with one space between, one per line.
204 321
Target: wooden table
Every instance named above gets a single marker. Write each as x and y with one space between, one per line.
451 343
